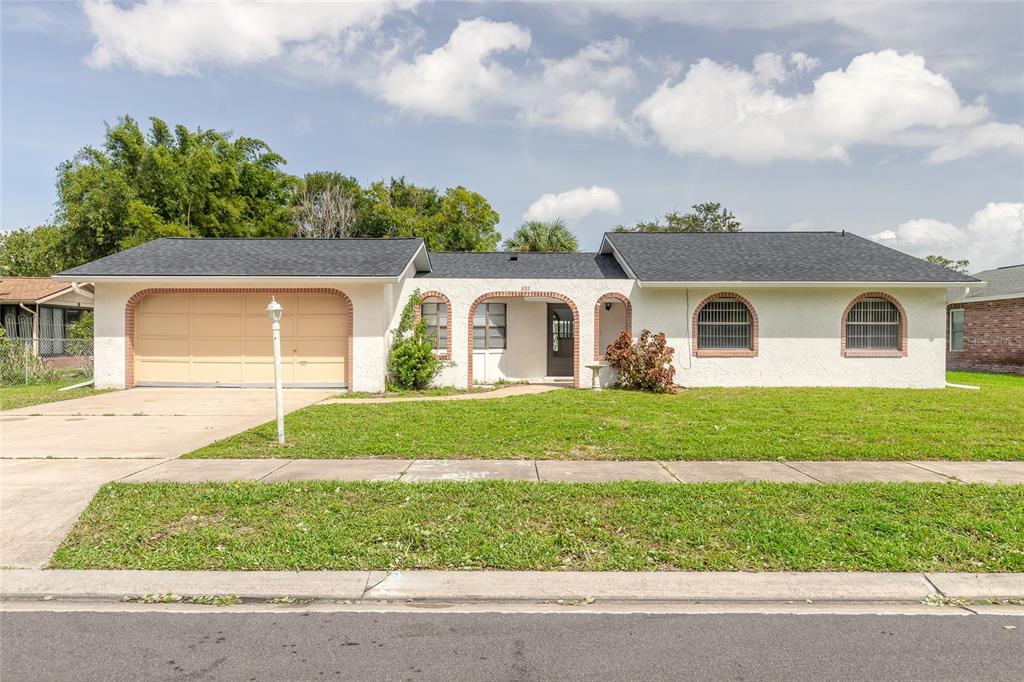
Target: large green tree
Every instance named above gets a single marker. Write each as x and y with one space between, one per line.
706 217
456 220
544 236
37 252
138 186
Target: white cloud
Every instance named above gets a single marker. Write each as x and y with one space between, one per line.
978 139
994 236
456 78
574 204
724 111
803 62
174 37
463 78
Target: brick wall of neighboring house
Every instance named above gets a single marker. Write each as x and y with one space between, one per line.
993 337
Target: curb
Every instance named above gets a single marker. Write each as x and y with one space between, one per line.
515 586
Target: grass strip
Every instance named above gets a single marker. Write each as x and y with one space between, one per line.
696 424
12 397
550 526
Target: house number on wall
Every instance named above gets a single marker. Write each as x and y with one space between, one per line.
525 289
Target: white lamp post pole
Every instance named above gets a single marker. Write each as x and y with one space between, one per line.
274 310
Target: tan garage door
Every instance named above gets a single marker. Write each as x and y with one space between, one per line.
226 339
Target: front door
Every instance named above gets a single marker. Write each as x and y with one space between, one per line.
560 340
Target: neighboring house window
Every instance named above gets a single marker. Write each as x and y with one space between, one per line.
725 324
873 324
435 315
489 326
956 329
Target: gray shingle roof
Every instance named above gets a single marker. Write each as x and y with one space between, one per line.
1001 281
525 266
257 257
770 257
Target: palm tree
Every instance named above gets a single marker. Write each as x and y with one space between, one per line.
543 236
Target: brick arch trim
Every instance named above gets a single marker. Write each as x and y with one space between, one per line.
900 352
447 355
523 294
603 298
755 331
133 304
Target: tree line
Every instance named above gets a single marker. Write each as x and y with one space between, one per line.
139 185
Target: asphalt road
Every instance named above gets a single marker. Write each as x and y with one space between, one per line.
404 646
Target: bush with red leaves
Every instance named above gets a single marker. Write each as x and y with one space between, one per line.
644 365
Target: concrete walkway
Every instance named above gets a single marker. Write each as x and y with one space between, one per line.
503 392
141 422
423 470
518 586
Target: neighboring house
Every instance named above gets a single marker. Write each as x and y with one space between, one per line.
740 309
39 310
986 326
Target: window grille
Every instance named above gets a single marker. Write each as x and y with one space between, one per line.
489 326
873 324
725 324
435 317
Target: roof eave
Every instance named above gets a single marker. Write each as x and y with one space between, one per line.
799 283
385 279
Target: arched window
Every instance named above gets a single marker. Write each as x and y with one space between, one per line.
435 311
725 325
874 325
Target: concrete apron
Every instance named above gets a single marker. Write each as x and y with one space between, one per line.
142 422
516 586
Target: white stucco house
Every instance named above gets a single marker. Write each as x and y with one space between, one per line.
740 309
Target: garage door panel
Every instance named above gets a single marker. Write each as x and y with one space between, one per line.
173 326
224 304
216 349
332 326
317 305
320 373
172 304
216 372
320 350
217 327
169 371
161 348
226 339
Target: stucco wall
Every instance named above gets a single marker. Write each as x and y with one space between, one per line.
372 304
526 323
799 334
799 331
799 342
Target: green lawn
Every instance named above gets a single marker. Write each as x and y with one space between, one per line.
697 424
550 526
12 397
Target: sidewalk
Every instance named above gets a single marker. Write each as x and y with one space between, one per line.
425 470
517 586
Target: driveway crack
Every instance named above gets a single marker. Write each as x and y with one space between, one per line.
669 472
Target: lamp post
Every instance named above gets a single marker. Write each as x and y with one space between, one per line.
274 310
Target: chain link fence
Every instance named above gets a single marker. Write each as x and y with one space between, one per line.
41 360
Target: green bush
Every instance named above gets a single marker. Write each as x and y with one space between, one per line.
83 328
412 364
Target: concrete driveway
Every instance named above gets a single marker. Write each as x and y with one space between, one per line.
142 422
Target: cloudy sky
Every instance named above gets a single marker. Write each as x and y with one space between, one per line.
898 121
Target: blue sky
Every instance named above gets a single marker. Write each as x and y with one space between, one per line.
897 121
